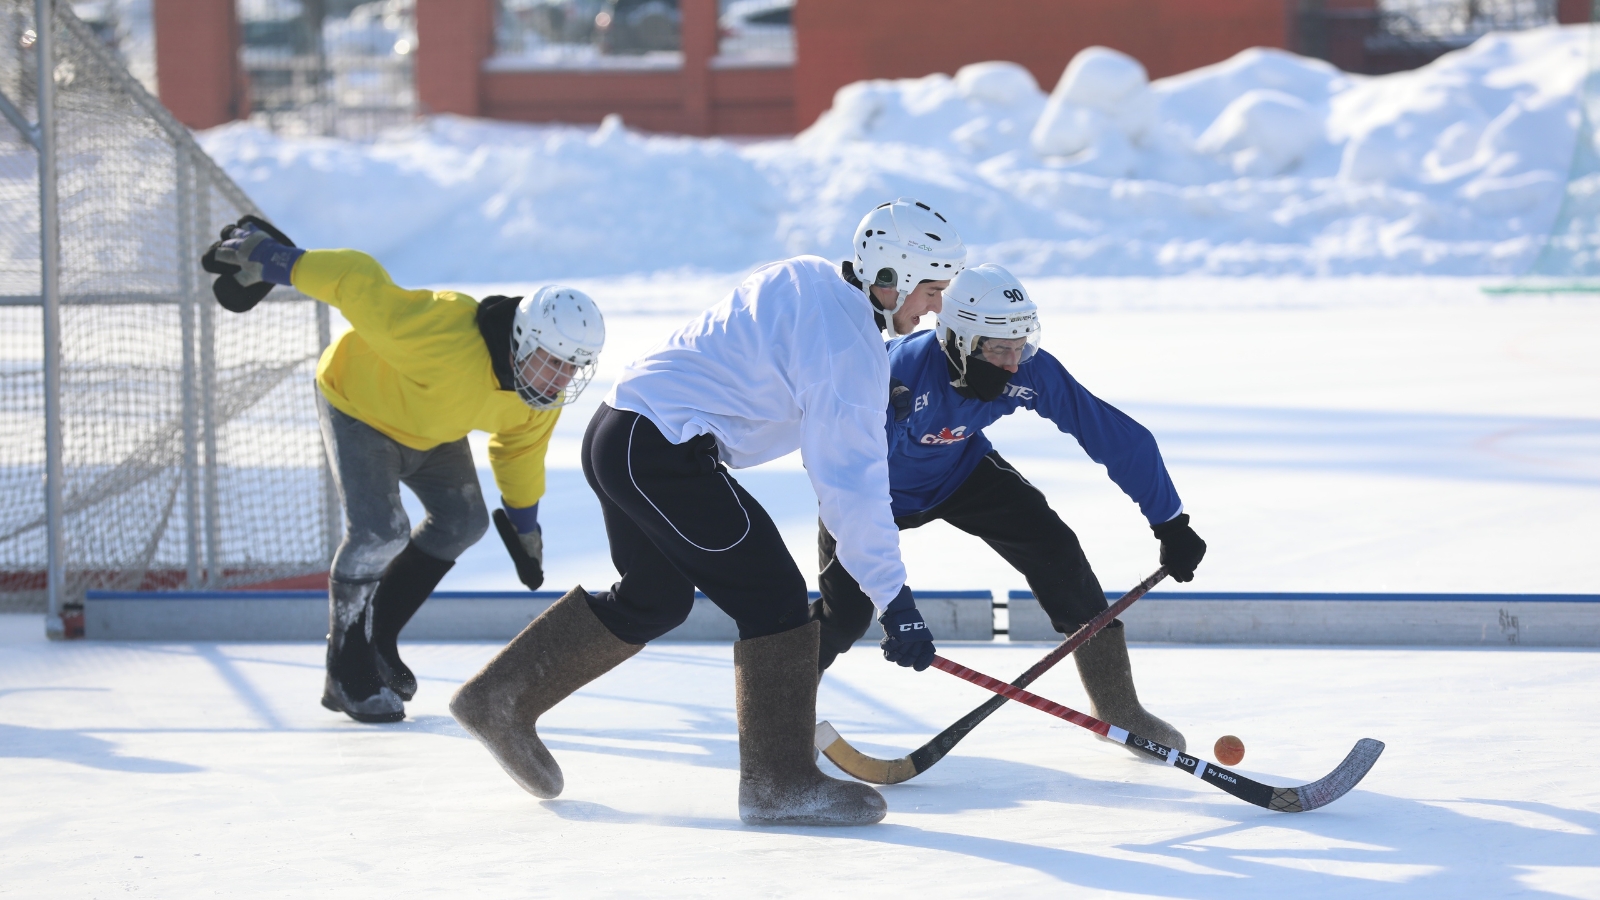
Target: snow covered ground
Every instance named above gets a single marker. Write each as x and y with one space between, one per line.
1265 163
203 769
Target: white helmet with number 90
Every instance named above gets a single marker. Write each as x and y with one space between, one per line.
556 338
987 313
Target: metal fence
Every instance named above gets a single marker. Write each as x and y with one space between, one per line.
330 68
609 34
1457 23
146 438
1404 34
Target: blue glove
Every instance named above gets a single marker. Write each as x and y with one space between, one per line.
906 638
251 257
258 256
899 399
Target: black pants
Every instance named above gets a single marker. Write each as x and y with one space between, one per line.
998 505
677 520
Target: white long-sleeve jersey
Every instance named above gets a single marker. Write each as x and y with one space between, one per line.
790 360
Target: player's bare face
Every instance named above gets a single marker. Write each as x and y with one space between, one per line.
1005 353
545 374
928 297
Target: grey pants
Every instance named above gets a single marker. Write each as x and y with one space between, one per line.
368 469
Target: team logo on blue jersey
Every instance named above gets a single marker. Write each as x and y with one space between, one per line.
1020 392
946 436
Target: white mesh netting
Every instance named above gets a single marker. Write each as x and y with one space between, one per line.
191 451
1570 258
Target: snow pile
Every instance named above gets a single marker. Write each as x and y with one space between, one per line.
1266 163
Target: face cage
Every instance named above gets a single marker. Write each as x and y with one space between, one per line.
966 345
546 374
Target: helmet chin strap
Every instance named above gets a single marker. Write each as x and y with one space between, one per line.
888 315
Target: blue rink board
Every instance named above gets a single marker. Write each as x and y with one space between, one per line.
1252 617
1341 618
448 615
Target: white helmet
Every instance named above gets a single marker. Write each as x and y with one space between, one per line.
566 325
986 302
902 244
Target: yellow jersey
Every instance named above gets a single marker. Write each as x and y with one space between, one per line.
414 366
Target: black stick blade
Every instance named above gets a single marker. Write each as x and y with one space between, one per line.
1340 781
1317 794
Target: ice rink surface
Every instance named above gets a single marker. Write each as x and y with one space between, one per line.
209 769
1380 434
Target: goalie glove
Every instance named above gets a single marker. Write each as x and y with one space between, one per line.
251 257
525 547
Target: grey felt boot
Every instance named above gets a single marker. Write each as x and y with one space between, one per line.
352 685
1108 680
559 652
775 685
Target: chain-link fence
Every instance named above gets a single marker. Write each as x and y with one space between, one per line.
1458 22
330 67
1394 35
190 454
602 34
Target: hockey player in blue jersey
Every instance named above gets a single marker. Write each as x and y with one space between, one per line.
982 362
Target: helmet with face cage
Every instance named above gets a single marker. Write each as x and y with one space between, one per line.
556 338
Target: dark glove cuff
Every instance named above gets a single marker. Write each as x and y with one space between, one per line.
901 602
1171 526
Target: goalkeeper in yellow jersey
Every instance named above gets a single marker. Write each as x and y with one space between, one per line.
398 394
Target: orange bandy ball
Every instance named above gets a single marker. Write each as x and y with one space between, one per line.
1229 750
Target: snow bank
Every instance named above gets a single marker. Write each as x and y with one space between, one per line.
1266 163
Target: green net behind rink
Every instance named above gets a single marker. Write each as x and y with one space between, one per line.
192 456
1569 260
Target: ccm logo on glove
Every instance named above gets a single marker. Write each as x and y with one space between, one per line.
906 638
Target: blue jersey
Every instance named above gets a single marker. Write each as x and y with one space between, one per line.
933 450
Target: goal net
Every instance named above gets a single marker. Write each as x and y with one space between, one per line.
1569 259
191 455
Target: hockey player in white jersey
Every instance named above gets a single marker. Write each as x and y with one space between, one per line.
793 359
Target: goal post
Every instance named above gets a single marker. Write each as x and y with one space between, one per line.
1568 261
148 439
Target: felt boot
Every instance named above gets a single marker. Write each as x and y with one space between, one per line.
353 685
1108 680
775 684
406 584
559 652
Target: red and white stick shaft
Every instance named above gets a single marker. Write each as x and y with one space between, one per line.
1021 696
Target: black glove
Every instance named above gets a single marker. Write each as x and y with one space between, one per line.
899 399
248 261
906 638
1181 548
530 569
